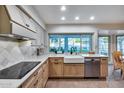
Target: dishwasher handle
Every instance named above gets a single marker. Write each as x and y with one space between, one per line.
92 60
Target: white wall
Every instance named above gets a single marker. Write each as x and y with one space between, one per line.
70 29
75 29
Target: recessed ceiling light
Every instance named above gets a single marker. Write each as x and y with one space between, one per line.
77 18
63 8
63 18
92 18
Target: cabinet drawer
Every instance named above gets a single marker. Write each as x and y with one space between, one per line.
56 59
104 60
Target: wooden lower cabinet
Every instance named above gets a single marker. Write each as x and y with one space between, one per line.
30 82
56 67
104 67
45 73
38 79
73 70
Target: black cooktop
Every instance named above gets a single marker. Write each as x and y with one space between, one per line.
17 71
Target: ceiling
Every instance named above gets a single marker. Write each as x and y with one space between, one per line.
51 14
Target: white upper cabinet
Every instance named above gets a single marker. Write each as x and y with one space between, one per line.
45 39
19 17
12 23
29 23
39 37
32 25
42 36
15 14
18 30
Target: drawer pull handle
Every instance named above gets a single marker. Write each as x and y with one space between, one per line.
43 70
35 73
27 25
56 62
35 83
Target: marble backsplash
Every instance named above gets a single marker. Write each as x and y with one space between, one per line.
12 52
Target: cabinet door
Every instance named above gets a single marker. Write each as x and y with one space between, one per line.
21 31
39 36
45 73
32 25
42 35
104 67
15 14
35 80
45 42
29 23
40 77
56 69
73 70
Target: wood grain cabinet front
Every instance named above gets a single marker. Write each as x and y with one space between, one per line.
104 67
30 82
45 73
38 79
73 70
56 67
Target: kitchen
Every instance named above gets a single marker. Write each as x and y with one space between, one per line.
41 50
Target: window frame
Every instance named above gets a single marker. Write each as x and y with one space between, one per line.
60 35
116 41
109 41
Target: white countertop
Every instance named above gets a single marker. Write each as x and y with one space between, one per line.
13 83
93 55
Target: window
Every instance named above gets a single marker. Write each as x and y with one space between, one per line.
71 42
103 45
120 44
86 43
55 43
74 43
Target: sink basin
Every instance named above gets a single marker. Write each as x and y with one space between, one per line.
73 59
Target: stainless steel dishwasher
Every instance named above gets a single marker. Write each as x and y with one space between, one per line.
92 67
